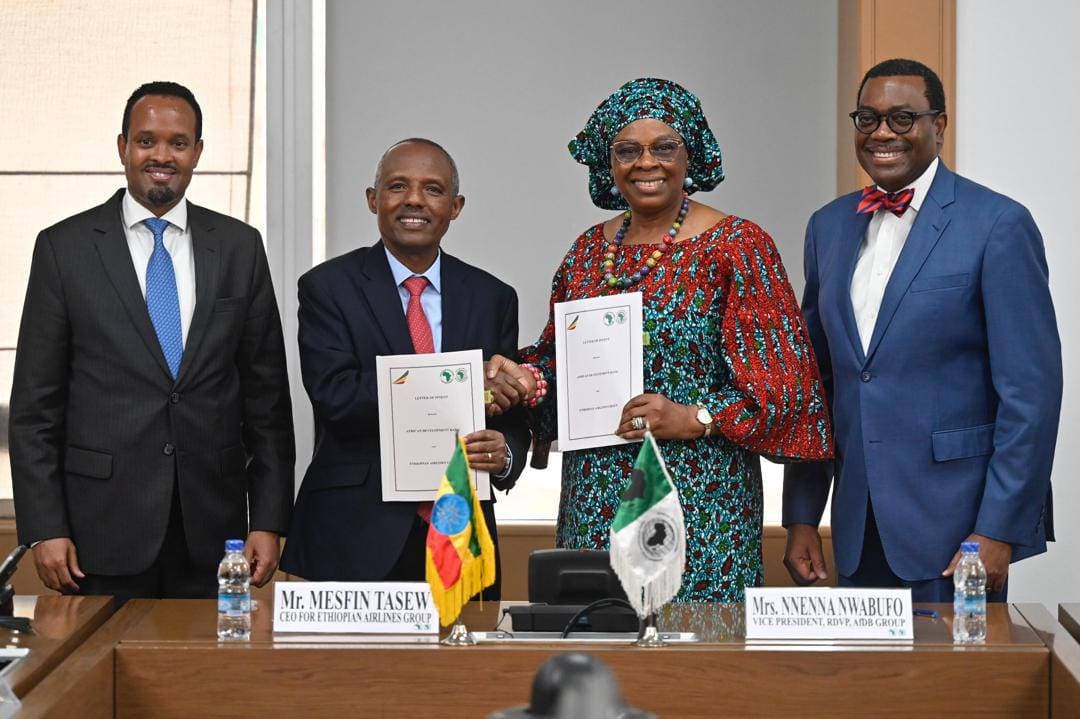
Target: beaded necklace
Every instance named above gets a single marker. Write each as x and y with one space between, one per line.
609 259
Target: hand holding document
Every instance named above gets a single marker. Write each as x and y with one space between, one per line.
425 402
598 365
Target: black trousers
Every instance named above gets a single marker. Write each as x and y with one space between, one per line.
171 576
411 565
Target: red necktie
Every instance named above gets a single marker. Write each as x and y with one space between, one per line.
895 202
419 329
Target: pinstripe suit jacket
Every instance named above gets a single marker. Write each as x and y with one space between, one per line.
99 429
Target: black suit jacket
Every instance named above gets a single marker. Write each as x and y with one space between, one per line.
350 313
100 431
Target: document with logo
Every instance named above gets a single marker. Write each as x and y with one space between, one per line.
598 365
425 402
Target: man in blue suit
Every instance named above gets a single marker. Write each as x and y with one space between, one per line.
399 296
928 305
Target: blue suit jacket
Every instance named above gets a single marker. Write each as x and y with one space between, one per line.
948 422
350 312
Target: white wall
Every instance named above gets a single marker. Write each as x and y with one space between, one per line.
505 85
1017 105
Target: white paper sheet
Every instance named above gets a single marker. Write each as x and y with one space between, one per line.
424 402
598 366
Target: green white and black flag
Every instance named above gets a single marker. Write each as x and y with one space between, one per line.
648 537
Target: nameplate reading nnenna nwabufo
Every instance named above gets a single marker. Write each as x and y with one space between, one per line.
828 613
355 608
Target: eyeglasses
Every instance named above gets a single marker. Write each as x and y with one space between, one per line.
628 151
900 121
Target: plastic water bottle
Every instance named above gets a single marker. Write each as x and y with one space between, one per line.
234 593
969 597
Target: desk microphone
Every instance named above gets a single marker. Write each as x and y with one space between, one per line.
7 592
11 563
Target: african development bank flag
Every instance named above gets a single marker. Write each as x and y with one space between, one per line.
460 553
648 537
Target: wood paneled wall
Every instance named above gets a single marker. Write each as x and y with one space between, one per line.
876 30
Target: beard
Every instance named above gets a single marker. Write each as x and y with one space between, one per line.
161 195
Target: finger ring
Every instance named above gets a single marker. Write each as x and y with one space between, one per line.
637 423
489 456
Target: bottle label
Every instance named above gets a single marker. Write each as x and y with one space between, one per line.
975 605
234 605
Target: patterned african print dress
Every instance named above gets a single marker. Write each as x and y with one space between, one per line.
724 331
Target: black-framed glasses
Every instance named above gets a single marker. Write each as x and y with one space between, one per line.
899 121
628 151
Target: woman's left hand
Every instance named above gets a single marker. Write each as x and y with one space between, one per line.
664 418
486 450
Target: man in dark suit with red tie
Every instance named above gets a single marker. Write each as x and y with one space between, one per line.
150 412
401 295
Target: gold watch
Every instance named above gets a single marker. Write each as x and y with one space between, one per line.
705 418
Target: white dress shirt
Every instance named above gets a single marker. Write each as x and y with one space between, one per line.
885 238
177 241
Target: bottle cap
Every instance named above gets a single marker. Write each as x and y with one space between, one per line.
234 545
969 547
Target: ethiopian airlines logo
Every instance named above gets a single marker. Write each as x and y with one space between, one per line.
402 378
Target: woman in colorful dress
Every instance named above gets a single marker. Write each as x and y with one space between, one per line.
729 369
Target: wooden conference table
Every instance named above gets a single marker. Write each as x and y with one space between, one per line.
162 659
59 625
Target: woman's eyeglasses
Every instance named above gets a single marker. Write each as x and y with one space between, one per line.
628 152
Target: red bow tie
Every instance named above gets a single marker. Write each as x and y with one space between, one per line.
895 202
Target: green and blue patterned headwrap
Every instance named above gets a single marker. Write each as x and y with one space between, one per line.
661 100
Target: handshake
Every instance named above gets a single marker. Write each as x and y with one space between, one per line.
508 384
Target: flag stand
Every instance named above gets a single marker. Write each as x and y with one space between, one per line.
649 636
459 636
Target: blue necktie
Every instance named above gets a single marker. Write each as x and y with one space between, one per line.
162 299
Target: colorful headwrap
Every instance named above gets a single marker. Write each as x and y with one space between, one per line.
661 100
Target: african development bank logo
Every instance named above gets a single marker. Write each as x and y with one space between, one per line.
449 375
615 317
657 538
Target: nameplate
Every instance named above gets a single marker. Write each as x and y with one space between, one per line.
828 613
355 608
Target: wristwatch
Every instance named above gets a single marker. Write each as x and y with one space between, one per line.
705 418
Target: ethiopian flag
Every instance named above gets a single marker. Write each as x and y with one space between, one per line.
648 536
460 553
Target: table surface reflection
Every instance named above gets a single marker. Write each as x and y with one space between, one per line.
60 624
719 627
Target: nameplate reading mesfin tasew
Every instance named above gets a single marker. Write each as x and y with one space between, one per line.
355 608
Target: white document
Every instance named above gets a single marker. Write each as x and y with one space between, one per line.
425 402
598 366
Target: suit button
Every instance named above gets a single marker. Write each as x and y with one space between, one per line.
865 376
174 397
168 449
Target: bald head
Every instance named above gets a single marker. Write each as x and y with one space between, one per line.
455 182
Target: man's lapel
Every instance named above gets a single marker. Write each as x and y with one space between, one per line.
377 285
850 244
931 221
456 304
112 247
205 248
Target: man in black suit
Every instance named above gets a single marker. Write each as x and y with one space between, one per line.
150 413
399 296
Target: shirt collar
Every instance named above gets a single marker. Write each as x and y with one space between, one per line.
402 273
922 185
134 213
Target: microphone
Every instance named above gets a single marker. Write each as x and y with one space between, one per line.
7 592
11 563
